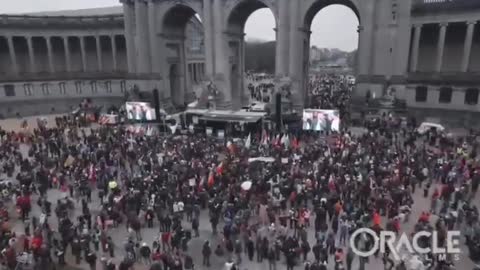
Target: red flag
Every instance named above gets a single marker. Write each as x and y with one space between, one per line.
265 137
200 184
331 184
295 143
276 140
211 180
220 168
377 219
37 242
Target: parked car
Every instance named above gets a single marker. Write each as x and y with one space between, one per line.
428 126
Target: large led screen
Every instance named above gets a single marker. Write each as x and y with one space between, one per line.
140 111
321 120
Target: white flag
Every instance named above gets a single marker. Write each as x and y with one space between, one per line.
286 141
248 142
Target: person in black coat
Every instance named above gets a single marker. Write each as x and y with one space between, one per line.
195 226
350 257
305 249
188 263
316 249
250 249
145 252
291 254
206 252
91 259
76 250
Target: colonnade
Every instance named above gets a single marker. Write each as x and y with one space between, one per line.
440 48
196 71
32 53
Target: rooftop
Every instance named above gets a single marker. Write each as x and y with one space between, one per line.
115 10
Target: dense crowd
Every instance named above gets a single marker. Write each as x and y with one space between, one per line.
330 92
297 203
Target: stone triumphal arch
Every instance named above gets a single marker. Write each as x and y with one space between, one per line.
155 34
425 52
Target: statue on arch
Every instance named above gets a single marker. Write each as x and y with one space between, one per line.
212 89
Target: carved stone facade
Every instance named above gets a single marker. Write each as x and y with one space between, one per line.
403 45
224 22
50 61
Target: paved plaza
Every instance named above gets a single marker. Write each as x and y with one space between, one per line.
119 236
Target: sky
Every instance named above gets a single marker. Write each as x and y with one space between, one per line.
333 27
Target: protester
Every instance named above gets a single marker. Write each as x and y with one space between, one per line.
169 183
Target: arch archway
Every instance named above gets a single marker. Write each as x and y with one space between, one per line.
181 32
238 13
311 11
317 5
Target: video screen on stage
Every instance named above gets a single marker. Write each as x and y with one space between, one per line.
140 111
321 120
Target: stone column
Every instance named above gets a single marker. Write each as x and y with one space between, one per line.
282 55
200 72
295 41
191 71
185 82
360 66
441 46
31 55
50 54
415 47
68 61
219 37
12 53
83 53
244 100
222 68
141 37
114 52
366 39
152 29
208 37
197 72
99 53
467 49
128 17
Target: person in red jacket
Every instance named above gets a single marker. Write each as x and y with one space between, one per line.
24 205
166 240
424 217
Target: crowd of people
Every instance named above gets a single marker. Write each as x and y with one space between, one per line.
295 203
330 92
